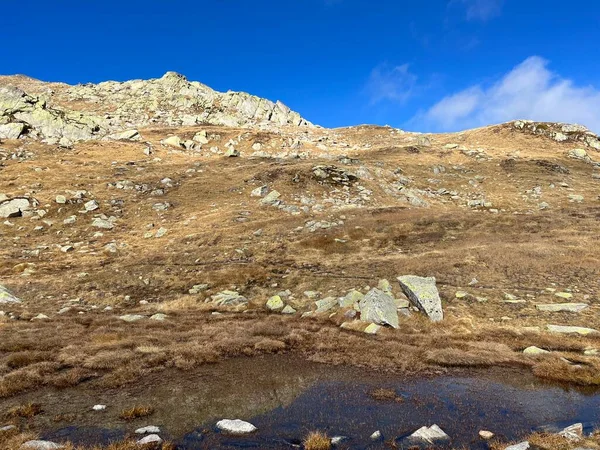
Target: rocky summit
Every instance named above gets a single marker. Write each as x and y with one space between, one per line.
56 112
155 232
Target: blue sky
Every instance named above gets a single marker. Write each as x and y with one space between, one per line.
428 65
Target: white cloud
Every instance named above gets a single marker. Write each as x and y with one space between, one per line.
391 83
529 91
482 10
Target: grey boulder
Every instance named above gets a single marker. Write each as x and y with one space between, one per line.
379 307
423 293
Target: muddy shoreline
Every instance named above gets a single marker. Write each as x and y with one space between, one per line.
286 397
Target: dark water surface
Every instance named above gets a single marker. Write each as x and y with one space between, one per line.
286 398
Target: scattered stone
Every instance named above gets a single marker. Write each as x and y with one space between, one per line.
7 428
533 350
576 198
579 153
151 429
376 436
103 223
40 317
271 198
288 310
235 426
423 293
99 407
229 298
351 299
131 317
275 303
573 432
487 435
127 135
571 330
337 440
150 439
379 308
197 288
521 446
161 232
429 435
40 445
372 328
325 305
232 153
565 295
173 141
260 191
563 307
159 316
92 205
6 297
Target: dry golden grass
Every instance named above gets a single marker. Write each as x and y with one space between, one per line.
136 412
317 440
549 441
26 411
383 394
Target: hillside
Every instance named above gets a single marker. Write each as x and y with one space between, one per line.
159 225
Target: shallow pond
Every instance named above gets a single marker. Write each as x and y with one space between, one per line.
286 398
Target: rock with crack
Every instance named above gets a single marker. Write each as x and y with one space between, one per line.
235 426
379 307
422 292
6 297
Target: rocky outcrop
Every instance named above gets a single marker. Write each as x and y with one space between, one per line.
23 114
112 109
560 132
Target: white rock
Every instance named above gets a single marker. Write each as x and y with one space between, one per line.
430 434
483 434
131 317
573 432
235 426
40 445
521 446
151 429
150 439
99 407
376 436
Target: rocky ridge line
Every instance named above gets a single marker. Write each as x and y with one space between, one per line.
111 107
